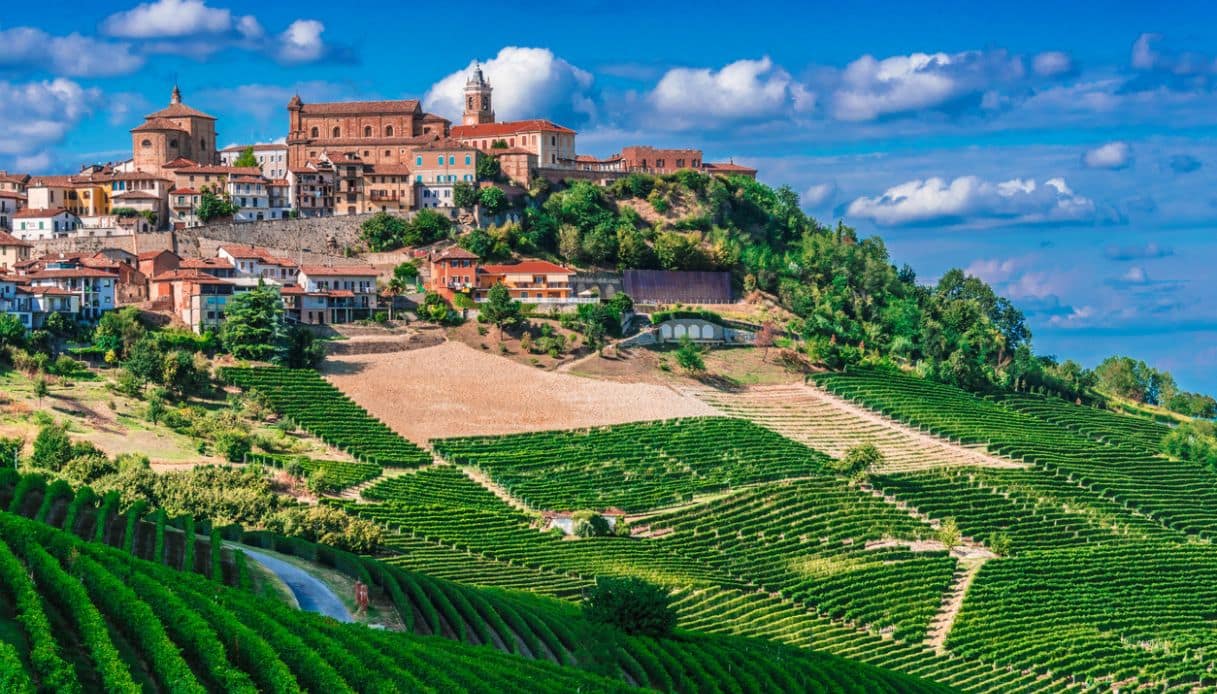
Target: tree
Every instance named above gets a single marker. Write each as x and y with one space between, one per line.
253 324
948 533
689 357
858 460
427 226
464 195
499 308
52 447
12 331
10 450
765 338
145 361
246 158
183 374
40 389
488 168
212 206
493 200
118 330
633 605
301 349
383 232
405 276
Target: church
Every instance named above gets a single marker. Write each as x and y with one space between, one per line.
174 132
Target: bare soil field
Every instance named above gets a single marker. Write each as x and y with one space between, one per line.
456 390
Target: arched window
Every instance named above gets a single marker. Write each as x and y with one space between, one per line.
315 132
336 132
146 143
388 131
367 131
173 143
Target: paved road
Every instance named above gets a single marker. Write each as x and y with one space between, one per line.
311 593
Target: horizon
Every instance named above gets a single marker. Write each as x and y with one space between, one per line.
1072 173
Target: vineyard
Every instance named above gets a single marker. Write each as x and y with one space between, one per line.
1180 495
338 474
308 400
91 618
633 467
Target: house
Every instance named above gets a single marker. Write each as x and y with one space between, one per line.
530 281
183 208
216 267
271 158
10 203
257 262
32 225
453 270
333 294
153 263
197 298
33 304
311 188
438 167
12 250
94 288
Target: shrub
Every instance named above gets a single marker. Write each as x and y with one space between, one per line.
630 604
52 448
233 445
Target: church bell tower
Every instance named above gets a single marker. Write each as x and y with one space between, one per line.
477 99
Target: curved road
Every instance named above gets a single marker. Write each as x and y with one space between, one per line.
311 593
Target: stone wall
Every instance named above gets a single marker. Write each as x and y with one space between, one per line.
132 243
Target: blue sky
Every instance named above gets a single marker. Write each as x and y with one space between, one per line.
1064 152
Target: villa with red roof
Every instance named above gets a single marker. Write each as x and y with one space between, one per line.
529 281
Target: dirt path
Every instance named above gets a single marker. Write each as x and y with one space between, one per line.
952 602
456 390
496 489
355 492
311 593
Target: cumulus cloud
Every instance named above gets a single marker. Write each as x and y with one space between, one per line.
70 56
1052 64
1184 163
1113 155
301 42
36 116
970 199
167 19
1078 317
819 195
992 270
743 89
1135 275
528 83
872 88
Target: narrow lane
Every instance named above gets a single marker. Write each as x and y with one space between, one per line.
310 592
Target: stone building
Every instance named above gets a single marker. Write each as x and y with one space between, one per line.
377 132
478 108
271 158
176 131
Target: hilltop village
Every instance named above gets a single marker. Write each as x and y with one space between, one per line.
344 159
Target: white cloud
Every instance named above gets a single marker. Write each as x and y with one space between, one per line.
301 42
819 195
992 270
1052 63
168 18
36 116
1113 155
970 199
872 88
249 28
1077 317
528 83
743 89
70 56
1135 275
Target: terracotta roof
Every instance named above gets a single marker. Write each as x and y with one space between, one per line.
136 176
179 111
447 144
244 252
715 167
75 272
38 214
14 178
374 141
189 274
7 239
158 124
399 169
278 182
99 263
508 128
184 191
12 194
526 266
457 253
149 255
179 162
206 263
136 195
434 118
219 170
355 108
53 181
292 289
496 151
342 293
339 271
